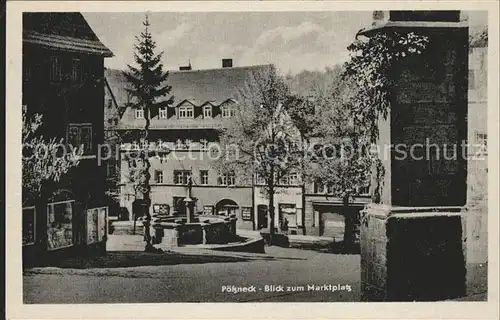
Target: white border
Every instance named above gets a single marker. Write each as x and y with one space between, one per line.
443 310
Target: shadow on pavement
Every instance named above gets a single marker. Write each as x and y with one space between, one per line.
126 259
333 248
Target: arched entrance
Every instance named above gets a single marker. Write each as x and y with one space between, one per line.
62 195
226 207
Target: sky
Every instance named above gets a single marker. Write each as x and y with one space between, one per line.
293 41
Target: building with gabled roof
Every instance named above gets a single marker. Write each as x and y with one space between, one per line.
204 103
63 80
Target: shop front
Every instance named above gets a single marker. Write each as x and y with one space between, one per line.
62 228
288 210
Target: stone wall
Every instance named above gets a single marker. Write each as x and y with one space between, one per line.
412 256
218 233
190 233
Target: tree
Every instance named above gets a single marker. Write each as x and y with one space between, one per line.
147 86
43 161
261 143
479 38
335 156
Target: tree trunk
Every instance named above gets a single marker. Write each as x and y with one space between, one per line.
349 223
271 206
147 187
271 216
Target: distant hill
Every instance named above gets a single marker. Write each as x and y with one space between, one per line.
307 83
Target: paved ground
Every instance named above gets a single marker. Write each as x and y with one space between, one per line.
198 278
127 275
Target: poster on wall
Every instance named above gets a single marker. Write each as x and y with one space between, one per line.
161 208
92 226
29 221
164 209
60 224
103 217
246 213
208 210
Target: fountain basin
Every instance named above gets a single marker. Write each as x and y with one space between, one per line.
175 231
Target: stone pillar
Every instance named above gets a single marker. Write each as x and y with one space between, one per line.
189 209
173 240
411 240
232 224
204 232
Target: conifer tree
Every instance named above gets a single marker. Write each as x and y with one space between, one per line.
148 89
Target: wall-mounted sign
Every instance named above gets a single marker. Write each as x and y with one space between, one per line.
246 213
103 227
161 208
96 224
208 210
60 224
92 226
29 225
287 208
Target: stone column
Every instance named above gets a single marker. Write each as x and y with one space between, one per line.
411 240
189 209
204 232
173 239
232 224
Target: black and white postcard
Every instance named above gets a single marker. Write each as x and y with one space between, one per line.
252 160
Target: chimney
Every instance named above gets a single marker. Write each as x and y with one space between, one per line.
227 63
186 68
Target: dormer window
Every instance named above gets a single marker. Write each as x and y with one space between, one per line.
186 112
226 111
204 144
163 113
55 69
207 111
139 113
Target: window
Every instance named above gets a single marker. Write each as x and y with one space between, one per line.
329 188
181 145
139 113
204 177
232 111
259 180
158 176
186 112
207 112
290 179
76 71
144 144
482 138
204 144
181 176
364 190
319 187
227 179
55 69
482 141
163 113
80 135
226 111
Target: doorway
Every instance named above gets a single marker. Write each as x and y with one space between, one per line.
226 207
262 216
